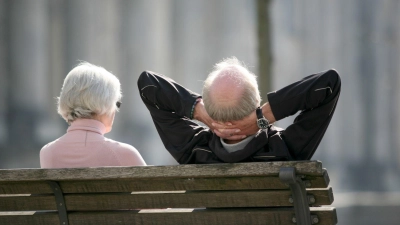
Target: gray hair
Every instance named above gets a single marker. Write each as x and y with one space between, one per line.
249 101
88 90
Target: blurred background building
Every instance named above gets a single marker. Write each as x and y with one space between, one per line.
42 40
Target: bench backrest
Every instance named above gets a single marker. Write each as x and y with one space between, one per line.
240 193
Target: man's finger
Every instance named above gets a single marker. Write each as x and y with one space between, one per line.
228 131
224 133
230 134
221 135
219 125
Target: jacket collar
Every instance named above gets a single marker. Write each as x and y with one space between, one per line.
259 141
88 125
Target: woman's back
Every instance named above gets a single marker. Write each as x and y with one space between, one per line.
85 146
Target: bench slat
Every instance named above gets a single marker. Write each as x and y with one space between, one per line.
144 200
29 217
159 184
149 172
27 203
277 216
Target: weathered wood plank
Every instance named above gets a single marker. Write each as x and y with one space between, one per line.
323 196
27 202
159 184
25 187
325 214
239 216
230 183
148 172
190 199
319 181
177 199
31 218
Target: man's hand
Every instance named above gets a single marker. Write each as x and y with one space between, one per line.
228 132
247 126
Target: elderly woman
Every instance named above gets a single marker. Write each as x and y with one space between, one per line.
89 98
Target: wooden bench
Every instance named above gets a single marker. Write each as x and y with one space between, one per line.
240 193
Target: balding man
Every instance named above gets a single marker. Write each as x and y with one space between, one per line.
239 128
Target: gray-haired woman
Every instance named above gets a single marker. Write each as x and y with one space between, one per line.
89 98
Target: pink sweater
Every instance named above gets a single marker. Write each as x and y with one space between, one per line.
85 146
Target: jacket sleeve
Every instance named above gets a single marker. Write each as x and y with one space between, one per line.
315 97
170 106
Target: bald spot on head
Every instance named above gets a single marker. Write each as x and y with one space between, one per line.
226 90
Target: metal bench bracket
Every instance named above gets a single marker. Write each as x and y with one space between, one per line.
299 196
62 209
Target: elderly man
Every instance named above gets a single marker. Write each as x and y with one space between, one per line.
239 128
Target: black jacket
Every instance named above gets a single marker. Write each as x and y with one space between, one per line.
170 106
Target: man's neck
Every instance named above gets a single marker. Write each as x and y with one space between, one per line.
232 146
231 141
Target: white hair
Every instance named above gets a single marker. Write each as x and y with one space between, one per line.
249 100
88 90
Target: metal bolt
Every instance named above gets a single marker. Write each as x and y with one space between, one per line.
308 184
312 200
314 219
291 200
294 219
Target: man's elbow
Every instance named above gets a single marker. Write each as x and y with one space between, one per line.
333 76
143 77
